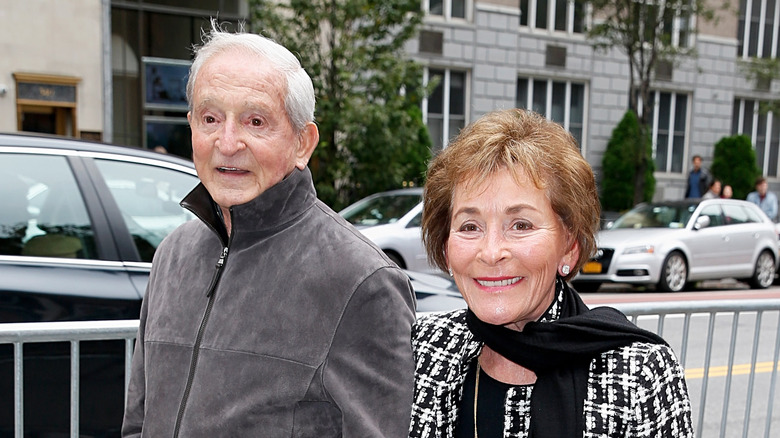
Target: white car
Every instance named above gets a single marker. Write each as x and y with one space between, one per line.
392 221
674 244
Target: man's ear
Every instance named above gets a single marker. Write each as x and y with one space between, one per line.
309 137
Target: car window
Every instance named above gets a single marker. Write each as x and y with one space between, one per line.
753 214
381 210
148 198
416 221
655 216
715 215
43 213
735 214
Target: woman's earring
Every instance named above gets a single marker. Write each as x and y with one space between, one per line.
565 270
450 269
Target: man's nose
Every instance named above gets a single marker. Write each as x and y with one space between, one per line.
230 138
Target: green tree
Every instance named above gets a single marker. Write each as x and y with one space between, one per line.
734 163
644 31
618 166
372 136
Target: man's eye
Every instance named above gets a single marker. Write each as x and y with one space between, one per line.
257 122
209 119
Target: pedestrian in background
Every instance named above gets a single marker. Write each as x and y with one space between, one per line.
698 179
764 198
269 315
714 190
727 192
511 210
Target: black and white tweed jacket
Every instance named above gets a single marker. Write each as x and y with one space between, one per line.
634 391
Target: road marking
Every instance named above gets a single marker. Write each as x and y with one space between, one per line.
736 370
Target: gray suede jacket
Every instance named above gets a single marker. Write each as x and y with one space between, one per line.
295 325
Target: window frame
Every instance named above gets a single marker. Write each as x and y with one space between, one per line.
670 130
549 83
770 137
552 6
745 23
446 116
468 7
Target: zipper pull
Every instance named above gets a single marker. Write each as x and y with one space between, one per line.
218 272
221 261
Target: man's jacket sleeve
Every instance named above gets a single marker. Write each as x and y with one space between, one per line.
370 370
136 392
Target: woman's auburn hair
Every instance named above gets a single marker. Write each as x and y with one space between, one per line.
521 141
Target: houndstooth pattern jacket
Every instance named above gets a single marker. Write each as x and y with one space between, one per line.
634 391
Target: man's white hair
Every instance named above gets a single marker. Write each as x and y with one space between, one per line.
299 93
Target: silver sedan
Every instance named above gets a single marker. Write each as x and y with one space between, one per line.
392 221
674 244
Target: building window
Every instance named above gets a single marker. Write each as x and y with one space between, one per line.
559 15
763 130
457 9
445 109
758 28
560 101
670 117
46 104
156 30
677 28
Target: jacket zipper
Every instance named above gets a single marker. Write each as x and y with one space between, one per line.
199 338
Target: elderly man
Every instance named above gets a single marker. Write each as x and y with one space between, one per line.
269 315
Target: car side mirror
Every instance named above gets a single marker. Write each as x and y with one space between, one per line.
701 222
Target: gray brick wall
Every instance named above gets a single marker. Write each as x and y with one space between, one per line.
495 51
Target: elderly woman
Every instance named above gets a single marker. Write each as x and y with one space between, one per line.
511 211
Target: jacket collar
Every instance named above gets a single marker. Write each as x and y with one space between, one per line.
272 209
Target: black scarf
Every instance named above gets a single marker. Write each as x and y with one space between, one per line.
560 353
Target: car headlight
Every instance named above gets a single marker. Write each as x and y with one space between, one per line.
643 249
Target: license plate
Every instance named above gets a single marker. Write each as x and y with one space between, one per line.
591 268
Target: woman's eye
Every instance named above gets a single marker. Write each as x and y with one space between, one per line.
256 122
521 226
469 227
209 119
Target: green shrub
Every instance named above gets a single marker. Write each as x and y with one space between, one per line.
619 166
734 164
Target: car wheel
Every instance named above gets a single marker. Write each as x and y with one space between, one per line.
674 273
764 274
586 286
396 259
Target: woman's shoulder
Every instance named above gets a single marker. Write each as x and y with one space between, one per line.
439 327
442 343
646 361
441 320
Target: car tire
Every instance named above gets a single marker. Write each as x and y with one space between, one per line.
397 259
674 273
764 273
586 286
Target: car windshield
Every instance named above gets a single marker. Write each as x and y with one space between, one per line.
656 216
382 209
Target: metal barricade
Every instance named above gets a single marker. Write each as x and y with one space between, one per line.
74 332
692 328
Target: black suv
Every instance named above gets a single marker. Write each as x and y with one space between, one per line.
79 224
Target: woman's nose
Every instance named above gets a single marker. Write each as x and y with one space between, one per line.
494 248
